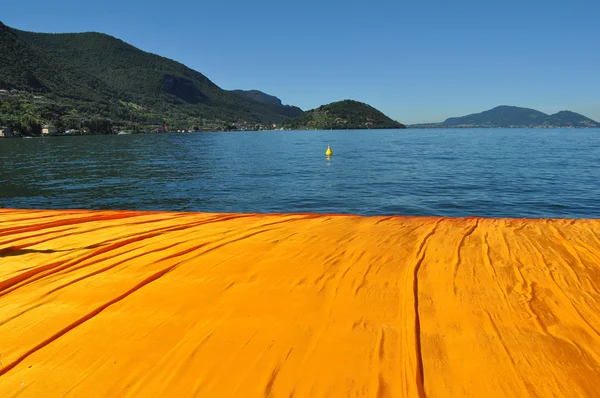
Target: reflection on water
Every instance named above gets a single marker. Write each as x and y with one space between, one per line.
487 172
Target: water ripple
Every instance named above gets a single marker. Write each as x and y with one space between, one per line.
483 172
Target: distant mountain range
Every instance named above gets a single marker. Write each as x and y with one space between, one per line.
96 81
513 116
342 115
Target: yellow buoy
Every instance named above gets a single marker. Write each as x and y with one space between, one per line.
328 152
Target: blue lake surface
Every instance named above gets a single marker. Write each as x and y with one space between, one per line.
535 173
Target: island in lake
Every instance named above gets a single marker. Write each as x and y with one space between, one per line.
341 115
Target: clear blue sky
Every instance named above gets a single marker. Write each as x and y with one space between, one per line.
417 61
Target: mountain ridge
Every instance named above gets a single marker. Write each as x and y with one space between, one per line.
68 77
514 116
259 96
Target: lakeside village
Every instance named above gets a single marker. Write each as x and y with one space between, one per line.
98 126
49 130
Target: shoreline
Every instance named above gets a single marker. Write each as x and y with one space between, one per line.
568 220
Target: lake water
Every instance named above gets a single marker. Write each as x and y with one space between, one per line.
456 172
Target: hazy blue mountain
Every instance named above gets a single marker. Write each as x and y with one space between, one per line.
513 116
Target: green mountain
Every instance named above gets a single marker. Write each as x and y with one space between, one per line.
513 116
66 78
259 96
342 115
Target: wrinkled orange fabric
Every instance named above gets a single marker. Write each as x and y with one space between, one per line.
132 304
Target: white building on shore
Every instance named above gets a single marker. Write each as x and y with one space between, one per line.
49 129
5 132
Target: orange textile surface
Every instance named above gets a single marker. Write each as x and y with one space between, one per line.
131 304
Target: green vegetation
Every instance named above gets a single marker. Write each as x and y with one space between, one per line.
342 115
90 78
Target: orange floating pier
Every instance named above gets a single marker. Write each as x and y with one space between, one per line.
134 304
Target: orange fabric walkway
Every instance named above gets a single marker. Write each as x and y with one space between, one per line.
133 304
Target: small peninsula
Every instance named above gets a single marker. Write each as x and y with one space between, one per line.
342 115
